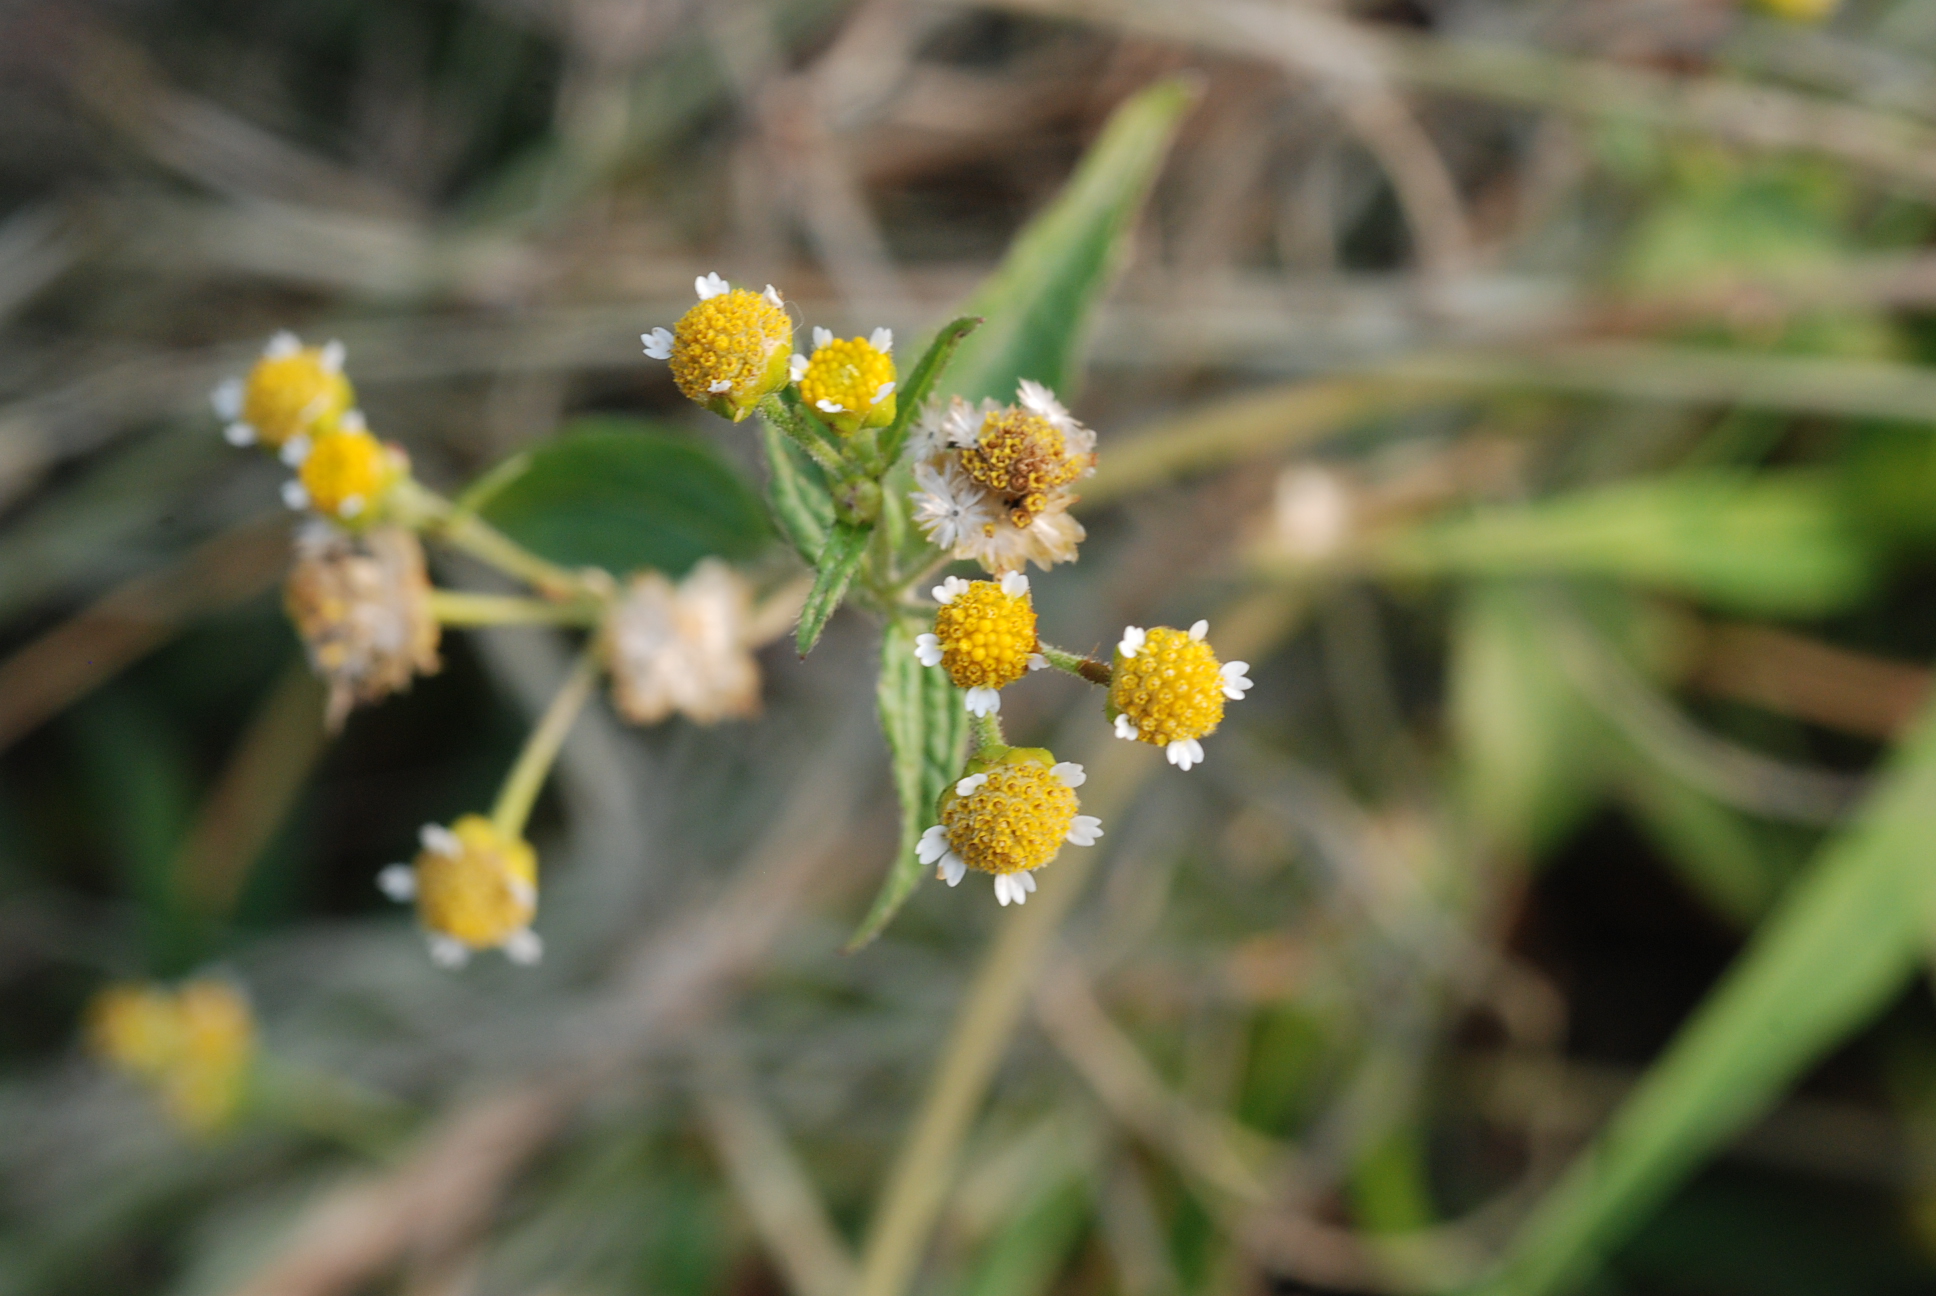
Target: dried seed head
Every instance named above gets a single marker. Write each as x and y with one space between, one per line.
1022 458
362 607
685 647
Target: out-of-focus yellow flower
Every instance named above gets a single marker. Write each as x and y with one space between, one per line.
475 889
362 606
195 1045
293 394
1808 11
849 382
731 350
1167 688
345 475
984 637
1009 815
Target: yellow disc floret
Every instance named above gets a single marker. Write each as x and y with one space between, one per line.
1022 458
1015 815
476 885
1171 687
850 383
731 350
348 472
986 635
133 1027
294 393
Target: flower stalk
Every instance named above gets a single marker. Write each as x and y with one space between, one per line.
520 790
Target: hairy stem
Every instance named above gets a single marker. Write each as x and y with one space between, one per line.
1087 668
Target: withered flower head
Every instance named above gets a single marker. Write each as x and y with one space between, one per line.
362 606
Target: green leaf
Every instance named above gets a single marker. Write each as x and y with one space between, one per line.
913 393
797 493
1039 300
839 559
620 494
1836 951
1777 542
927 738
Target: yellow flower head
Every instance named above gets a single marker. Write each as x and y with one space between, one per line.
475 889
729 351
849 381
1168 689
1008 815
196 1045
361 604
984 637
345 475
293 392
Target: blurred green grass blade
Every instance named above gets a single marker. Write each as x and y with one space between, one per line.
1531 753
1025 1257
927 733
1038 302
1735 864
1776 543
621 494
920 383
796 493
1836 951
839 560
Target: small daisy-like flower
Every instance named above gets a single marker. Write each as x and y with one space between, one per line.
346 474
984 637
849 381
361 604
1008 816
195 1045
729 351
475 889
686 647
1168 689
993 484
293 391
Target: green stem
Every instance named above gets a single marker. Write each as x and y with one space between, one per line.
1085 668
984 732
457 608
790 421
521 786
416 506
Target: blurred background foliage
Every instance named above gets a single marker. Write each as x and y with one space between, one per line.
1540 394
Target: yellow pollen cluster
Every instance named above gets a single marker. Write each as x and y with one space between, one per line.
195 1045
293 395
986 636
347 473
847 372
1014 822
739 338
482 894
1171 690
1021 457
